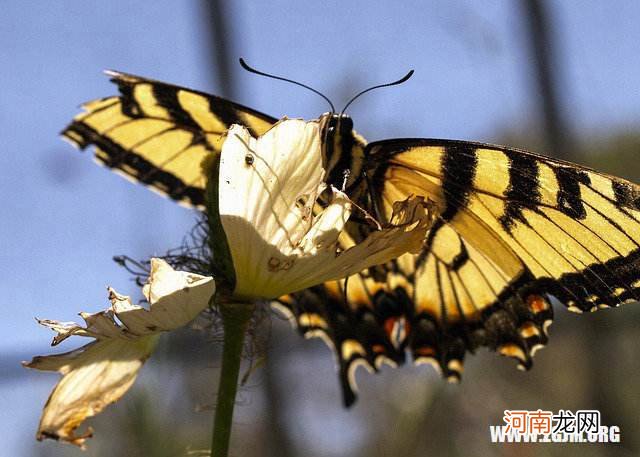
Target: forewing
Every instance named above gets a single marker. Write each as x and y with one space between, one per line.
159 134
576 230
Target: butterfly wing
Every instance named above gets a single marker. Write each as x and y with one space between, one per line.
159 134
574 232
512 229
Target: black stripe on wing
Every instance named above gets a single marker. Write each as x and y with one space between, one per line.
176 111
227 111
458 169
117 157
523 189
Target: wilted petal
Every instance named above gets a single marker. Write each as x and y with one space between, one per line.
94 376
175 297
100 372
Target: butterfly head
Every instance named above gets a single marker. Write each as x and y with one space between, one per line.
342 148
332 124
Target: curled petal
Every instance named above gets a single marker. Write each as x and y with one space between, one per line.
409 224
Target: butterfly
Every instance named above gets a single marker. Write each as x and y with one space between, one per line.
512 228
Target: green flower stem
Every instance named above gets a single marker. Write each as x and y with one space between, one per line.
235 318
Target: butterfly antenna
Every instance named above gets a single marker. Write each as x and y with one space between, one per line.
395 83
261 73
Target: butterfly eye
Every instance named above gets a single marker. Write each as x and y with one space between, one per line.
248 159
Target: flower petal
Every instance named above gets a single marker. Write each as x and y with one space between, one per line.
261 181
328 225
93 377
268 188
406 233
261 184
176 298
100 372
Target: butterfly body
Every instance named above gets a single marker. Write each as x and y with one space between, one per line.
343 151
511 228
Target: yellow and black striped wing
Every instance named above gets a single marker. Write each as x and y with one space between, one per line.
513 228
159 134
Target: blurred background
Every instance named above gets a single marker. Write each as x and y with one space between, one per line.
555 77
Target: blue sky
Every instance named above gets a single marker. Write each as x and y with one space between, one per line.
64 217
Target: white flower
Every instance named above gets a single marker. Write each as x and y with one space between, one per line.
268 189
100 372
280 241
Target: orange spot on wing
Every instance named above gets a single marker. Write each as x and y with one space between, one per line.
537 304
425 351
388 326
